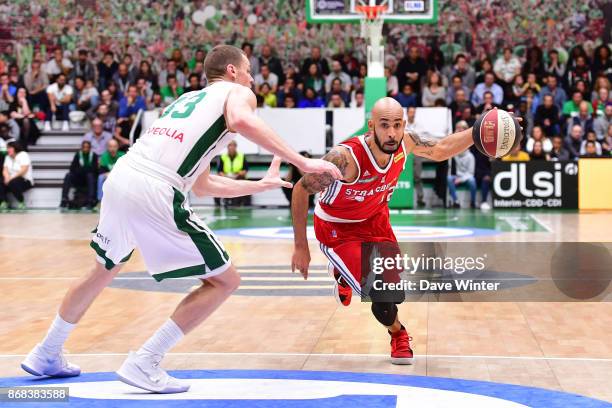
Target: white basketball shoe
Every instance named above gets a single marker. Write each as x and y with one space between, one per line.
143 371
39 363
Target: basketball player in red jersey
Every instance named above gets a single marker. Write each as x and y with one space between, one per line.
354 210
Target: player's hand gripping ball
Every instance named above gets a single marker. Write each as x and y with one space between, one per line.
496 133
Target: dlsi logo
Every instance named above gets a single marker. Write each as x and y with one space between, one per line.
544 183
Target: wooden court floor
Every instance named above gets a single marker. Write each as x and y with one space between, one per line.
559 346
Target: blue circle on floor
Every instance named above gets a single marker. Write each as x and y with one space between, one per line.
301 389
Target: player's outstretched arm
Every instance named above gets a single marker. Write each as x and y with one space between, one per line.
222 187
241 118
311 184
441 149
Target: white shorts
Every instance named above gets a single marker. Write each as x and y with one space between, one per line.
145 210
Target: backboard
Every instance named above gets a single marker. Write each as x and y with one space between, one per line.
398 11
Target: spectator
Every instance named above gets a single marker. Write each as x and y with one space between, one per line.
583 88
111 105
12 128
537 135
234 165
248 50
82 176
17 175
407 97
547 116
358 100
9 54
516 155
599 102
106 70
482 173
572 107
458 104
145 72
129 63
109 122
551 88
24 117
554 67
114 91
361 75
15 78
314 80
171 69
293 176
583 118
506 68
601 123
84 68
288 88
170 92
58 65
157 102
97 137
487 103
411 69
336 101
60 96
194 84
108 159
534 63
590 150
293 73
602 63
433 90
289 101
573 142
490 86
272 62
7 91
310 100
590 138
86 94
392 84
463 70
558 152
337 73
580 71
486 66
128 108
318 60
268 96
123 78
36 83
456 85
466 167
336 88
417 162
538 152
268 77
143 89
179 60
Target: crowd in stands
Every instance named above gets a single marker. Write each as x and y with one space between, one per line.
111 59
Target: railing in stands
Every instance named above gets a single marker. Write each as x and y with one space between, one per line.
135 125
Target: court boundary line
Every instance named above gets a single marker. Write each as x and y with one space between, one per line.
341 355
540 223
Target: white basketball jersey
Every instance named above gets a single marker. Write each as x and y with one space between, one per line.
189 134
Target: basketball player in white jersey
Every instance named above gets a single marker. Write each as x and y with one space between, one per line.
145 206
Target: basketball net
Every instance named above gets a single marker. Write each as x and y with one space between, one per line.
371 29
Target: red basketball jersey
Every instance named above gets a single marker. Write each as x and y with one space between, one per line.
371 190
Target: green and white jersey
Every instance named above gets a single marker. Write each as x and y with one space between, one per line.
188 135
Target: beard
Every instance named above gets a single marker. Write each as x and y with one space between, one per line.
385 149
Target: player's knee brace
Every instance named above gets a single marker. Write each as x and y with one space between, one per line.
384 312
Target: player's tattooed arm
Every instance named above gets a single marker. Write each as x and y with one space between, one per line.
441 149
314 183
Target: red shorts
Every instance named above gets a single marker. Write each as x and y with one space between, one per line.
342 245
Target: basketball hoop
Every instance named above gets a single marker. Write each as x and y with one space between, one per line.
371 29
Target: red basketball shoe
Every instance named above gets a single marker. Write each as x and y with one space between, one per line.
342 291
401 353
